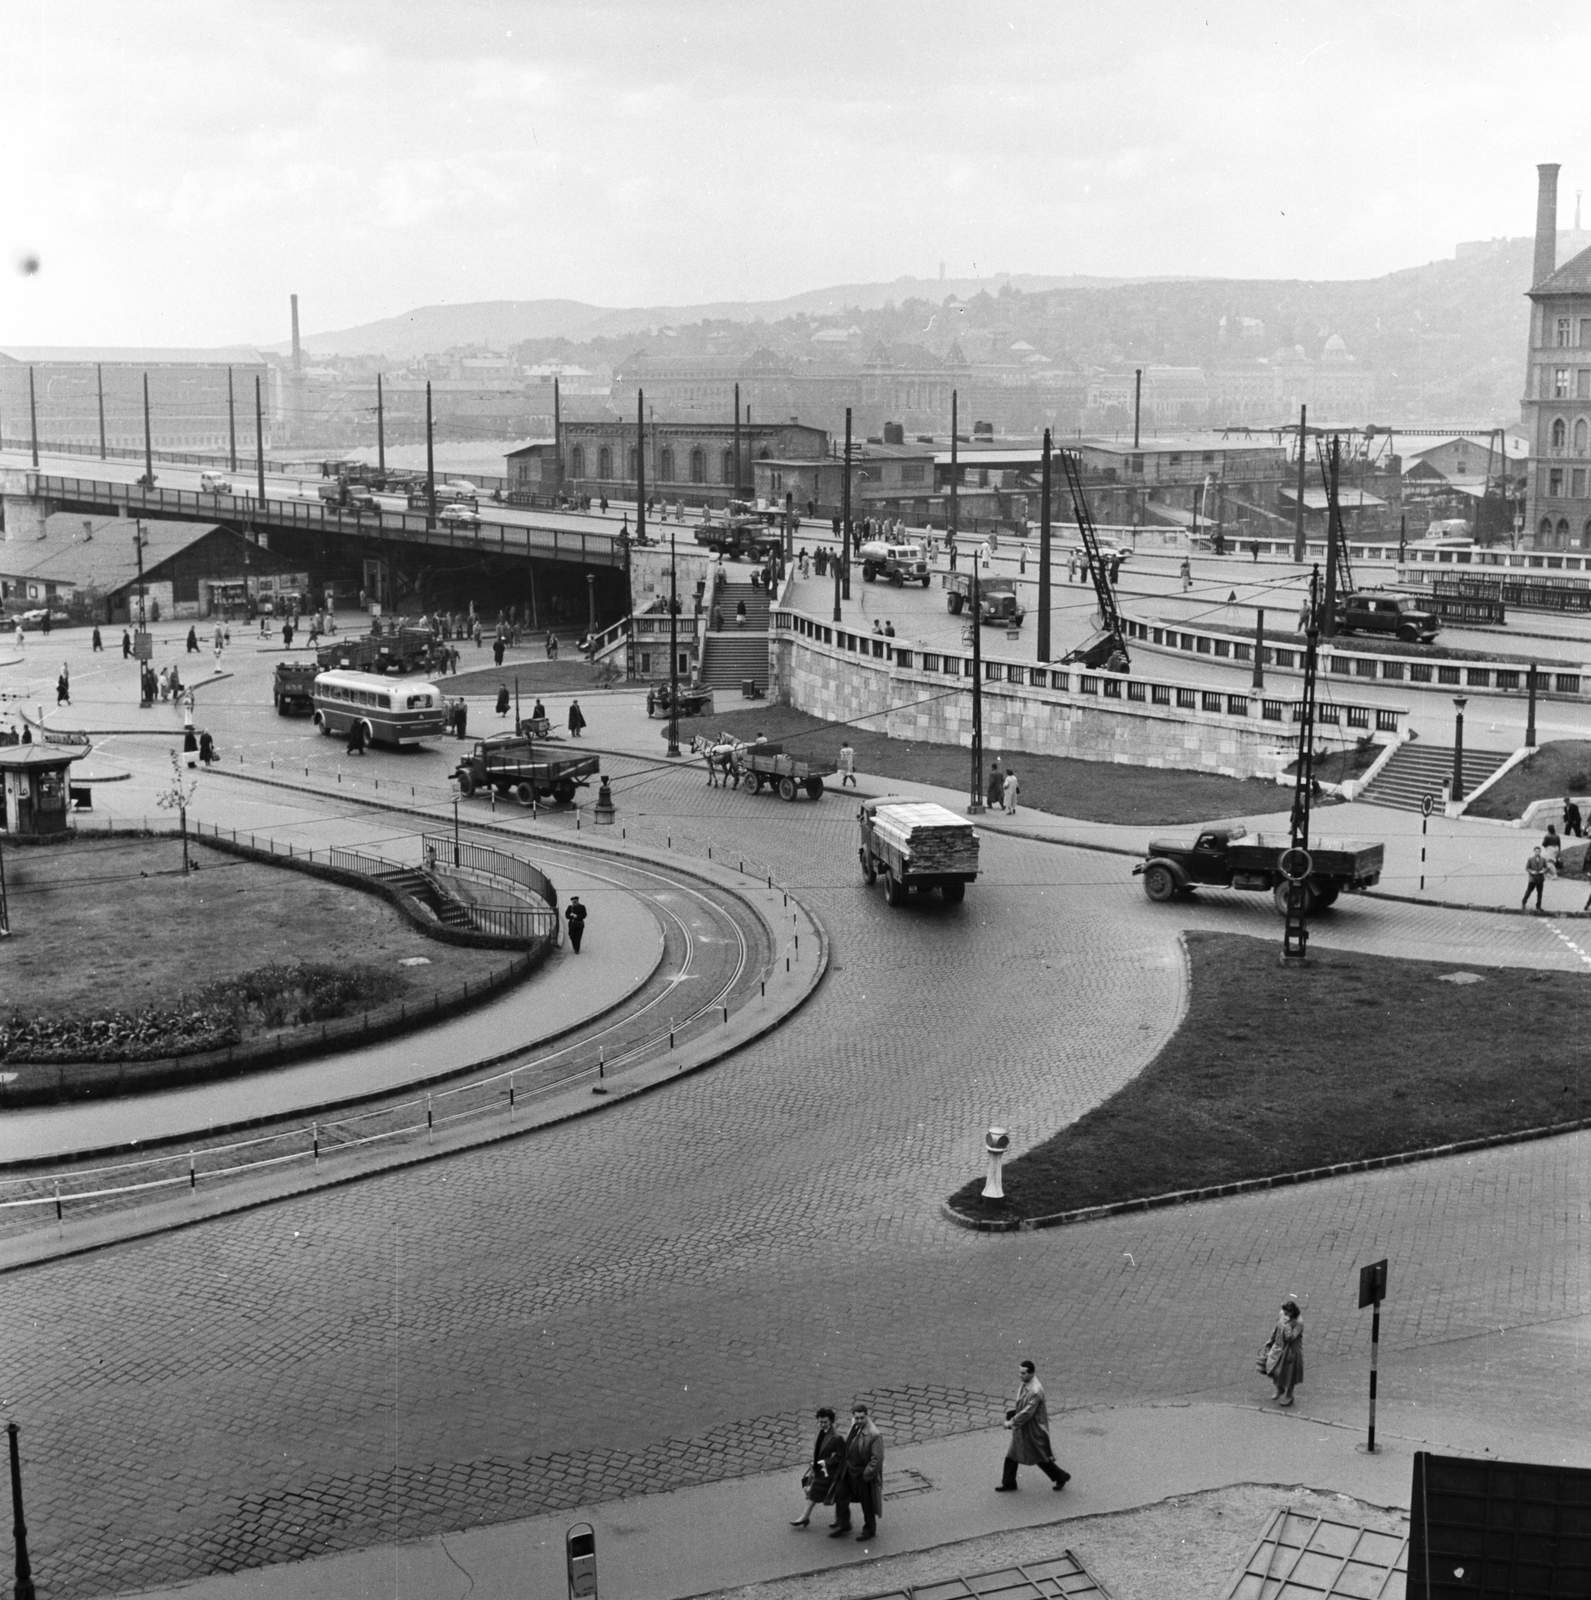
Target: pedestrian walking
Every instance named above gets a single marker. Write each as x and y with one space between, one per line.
1535 878
577 718
461 716
207 748
1186 574
499 644
740 613
1011 790
862 1479
1282 1357
828 1459
1552 847
287 634
99 644
1022 559
1303 615
127 645
193 641
575 916
950 545
847 764
996 790
220 639
187 709
63 688
356 738
190 745
1028 1418
1571 819
1115 570
502 699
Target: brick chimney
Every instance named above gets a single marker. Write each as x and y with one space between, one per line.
1546 221
298 359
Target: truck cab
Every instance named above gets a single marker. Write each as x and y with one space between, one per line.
900 563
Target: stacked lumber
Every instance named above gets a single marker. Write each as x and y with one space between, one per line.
928 837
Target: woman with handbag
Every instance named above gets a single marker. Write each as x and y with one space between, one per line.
828 1456
1282 1356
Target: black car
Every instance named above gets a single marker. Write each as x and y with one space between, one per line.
1397 614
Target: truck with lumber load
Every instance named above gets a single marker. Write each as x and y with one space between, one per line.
1232 858
509 763
997 598
293 687
915 844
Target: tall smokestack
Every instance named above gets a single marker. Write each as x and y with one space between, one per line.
1546 221
298 359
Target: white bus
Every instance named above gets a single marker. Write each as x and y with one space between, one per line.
395 711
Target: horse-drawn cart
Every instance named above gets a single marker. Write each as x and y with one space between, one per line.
760 766
693 702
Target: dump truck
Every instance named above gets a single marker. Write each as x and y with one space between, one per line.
293 687
1233 858
510 764
998 602
915 844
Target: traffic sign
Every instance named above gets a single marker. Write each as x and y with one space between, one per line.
1372 1284
1427 804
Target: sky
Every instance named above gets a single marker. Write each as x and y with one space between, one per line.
176 168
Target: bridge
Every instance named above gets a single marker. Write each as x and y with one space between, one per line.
509 538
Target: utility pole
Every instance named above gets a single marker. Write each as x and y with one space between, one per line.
976 807
1137 402
430 462
149 451
640 469
1259 648
1295 937
557 441
1298 510
845 514
735 492
673 645
19 1529
231 426
1530 719
33 418
99 376
955 472
143 648
1328 622
381 429
1044 555
259 444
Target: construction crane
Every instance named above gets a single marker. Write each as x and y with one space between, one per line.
1109 646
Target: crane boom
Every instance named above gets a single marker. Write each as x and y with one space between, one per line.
1111 640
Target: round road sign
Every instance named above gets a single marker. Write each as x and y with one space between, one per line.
1427 804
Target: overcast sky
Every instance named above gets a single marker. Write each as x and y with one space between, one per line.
178 168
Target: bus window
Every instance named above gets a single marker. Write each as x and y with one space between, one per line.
385 702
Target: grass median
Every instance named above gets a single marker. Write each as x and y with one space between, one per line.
1277 1070
1092 791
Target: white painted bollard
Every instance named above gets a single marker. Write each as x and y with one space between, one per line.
995 1144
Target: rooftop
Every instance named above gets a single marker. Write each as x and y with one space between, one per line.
97 552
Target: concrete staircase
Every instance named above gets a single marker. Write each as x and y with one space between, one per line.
416 885
731 655
1418 770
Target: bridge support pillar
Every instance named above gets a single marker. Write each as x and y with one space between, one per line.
24 517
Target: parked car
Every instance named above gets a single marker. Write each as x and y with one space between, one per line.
1397 614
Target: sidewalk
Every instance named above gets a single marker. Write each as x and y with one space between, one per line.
736 1532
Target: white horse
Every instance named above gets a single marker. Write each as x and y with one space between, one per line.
722 757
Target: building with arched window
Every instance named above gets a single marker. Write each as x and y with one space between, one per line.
1557 403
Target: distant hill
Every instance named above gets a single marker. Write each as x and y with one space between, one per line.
497 324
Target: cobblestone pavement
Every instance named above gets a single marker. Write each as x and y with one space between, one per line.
661 1294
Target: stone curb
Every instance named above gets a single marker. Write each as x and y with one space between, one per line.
1281 1180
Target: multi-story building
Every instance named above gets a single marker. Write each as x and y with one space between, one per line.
1556 408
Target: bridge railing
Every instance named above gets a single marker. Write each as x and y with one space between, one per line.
516 538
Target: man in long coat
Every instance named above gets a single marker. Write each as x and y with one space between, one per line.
862 1480
1029 1422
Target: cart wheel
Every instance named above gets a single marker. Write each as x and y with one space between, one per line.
524 794
787 788
894 889
814 788
1160 882
869 871
466 783
955 892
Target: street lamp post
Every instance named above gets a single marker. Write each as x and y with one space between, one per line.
845 516
19 1528
430 462
673 643
976 807
259 445
1530 715
1459 701
149 449
231 427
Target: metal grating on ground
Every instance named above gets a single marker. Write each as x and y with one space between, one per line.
1315 1558
1032 1580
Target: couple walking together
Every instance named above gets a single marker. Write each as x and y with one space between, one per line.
846 1469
